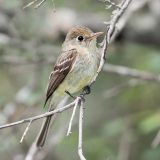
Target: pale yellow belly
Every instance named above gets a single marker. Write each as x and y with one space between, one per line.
74 84
75 81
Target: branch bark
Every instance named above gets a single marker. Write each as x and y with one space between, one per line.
32 119
130 72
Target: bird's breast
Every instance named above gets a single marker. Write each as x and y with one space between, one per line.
82 73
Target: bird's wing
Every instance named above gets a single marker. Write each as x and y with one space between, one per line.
62 67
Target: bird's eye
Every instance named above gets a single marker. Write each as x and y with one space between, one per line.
80 38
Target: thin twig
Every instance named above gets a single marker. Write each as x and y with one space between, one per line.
80 139
39 4
71 120
156 140
107 38
116 18
130 72
102 61
54 6
34 118
111 4
30 4
33 2
25 131
33 150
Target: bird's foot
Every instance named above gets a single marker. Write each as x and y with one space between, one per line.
86 90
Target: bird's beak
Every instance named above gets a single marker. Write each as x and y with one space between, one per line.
94 35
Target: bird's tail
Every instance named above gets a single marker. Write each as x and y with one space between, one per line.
44 131
46 124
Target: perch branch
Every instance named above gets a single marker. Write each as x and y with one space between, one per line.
111 29
34 118
80 139
71 120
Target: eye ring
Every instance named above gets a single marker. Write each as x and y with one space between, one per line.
80 38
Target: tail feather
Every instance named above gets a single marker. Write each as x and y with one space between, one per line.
46 124
44 132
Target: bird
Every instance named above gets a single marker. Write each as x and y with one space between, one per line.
73 71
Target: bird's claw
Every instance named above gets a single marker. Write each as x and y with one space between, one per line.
86 90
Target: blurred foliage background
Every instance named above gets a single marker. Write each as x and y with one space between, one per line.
122 115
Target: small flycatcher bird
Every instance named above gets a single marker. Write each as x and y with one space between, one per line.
73 71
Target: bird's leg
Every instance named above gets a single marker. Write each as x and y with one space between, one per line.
86 90
70 94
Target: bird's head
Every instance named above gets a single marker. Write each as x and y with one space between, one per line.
82 36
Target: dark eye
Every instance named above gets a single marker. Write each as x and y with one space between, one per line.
80 38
